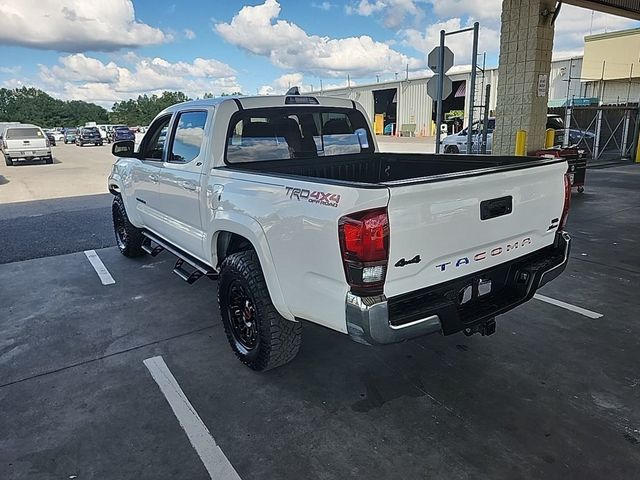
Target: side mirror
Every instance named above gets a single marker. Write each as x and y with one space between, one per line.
124 148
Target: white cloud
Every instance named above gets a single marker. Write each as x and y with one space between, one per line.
11 70
326 6
13 83
80 77
74 25
393 12
574 23
460 45
80 68
283 83
258 30
488 10
189 34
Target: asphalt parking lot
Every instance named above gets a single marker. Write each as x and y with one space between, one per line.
555 393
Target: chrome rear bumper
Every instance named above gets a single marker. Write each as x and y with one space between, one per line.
370 319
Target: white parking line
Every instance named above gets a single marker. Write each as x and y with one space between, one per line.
212 457
568 306
98 266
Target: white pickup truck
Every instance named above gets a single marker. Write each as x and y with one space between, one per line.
26 142
288 203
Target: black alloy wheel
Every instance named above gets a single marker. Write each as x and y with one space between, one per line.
242 317
121 231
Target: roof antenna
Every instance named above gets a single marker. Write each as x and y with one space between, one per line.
293 91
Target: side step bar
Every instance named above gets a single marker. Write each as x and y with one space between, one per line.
199 270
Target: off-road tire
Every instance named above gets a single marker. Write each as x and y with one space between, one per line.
8 161
278 339
129 239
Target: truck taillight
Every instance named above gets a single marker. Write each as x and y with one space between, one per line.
364 243
567 201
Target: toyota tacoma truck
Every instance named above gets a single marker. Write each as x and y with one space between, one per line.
288 203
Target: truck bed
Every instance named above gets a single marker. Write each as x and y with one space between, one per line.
389 168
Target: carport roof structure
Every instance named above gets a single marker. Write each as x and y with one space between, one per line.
623 8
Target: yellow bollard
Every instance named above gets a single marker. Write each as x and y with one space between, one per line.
378 124
521 143
549 138
638 150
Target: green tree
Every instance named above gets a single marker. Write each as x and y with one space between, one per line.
145 108
31 105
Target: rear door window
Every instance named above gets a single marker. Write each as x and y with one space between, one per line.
188 136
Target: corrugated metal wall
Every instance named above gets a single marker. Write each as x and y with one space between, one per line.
415 106
365 98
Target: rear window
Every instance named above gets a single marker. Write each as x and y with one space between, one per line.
286 133
15 133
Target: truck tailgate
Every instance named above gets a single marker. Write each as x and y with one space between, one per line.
448 228
26 144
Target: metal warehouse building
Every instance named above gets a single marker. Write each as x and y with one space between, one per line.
406 103
609 73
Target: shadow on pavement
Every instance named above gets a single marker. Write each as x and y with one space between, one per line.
43 228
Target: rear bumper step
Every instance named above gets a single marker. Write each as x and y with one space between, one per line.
378 320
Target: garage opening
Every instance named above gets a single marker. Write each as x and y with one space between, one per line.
453 107
385 109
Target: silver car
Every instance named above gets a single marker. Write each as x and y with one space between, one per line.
457 143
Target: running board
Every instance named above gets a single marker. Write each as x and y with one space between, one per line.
153 251
200 269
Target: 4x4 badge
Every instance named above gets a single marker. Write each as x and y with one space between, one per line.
402 262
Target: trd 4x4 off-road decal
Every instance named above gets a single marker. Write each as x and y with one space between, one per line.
327 199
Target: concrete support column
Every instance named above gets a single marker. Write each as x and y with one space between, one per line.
526 42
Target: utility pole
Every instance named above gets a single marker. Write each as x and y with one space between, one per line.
440 87
485 124
440 82
472 92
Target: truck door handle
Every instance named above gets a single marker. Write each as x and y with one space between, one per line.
153 178
214 195
189 186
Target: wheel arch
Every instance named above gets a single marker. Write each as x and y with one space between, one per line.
235 233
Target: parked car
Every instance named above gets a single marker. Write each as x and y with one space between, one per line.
89 136
122 133
25 142
70 135
457 143
287 201
52 138
58 136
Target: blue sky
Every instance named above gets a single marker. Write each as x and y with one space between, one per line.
121 49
